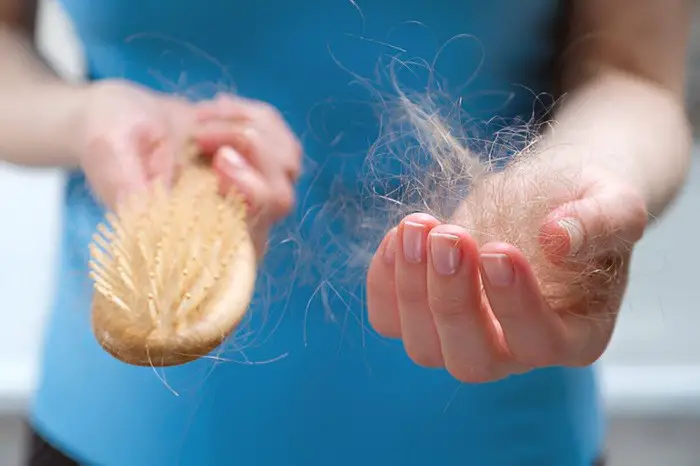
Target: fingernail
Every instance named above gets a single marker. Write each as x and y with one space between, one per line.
232 160
414 242
389 252
574 230
445 253
498 269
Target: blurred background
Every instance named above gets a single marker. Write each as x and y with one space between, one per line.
651 374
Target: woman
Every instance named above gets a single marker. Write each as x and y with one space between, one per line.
338 396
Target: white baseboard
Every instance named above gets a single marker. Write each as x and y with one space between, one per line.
651 390
17 383
627 390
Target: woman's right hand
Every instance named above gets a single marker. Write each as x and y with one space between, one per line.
129 136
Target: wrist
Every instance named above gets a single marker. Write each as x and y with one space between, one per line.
71 103
629 127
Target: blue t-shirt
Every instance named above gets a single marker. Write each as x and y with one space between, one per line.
305 382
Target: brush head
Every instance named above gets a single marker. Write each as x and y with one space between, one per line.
173 272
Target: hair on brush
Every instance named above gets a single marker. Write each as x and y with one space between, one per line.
173 271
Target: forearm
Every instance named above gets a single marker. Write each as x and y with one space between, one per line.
629 125
623 76
38 111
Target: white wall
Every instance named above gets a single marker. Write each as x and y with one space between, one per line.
654 358
653 363
29 213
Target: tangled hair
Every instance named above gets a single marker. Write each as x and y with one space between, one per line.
430 158
503 189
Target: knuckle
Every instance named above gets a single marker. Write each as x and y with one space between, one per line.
446 304
294 172
224 100
283 200
411 291
296 154
631 214
252 138
637 214
292 158
297 150
259 111
267 111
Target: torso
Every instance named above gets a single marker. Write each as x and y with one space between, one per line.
306 382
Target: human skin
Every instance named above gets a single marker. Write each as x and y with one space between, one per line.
123 136
620 137
623 119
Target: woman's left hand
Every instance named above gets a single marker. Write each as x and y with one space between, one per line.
481 311
255 152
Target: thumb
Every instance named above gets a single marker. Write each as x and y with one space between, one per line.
612 220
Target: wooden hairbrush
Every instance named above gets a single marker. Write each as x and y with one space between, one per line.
173 271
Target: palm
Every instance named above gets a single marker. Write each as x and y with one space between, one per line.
521 290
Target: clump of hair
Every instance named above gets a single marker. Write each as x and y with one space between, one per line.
501 189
